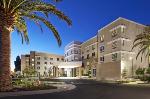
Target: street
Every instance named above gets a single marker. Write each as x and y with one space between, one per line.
89 89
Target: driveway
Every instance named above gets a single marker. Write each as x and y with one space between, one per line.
89 89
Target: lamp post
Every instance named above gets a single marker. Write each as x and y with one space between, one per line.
131 58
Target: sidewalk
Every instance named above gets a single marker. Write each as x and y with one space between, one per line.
60 88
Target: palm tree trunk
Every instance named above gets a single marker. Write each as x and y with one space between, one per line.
5 75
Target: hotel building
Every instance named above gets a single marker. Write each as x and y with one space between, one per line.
106 56
45 64
115 54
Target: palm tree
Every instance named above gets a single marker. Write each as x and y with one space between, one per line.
143 42
13 16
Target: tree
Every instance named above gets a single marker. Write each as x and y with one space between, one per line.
140 72
28 72
17 64
143 42
148 70
148 74
13 16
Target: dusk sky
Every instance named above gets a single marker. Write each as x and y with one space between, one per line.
88 16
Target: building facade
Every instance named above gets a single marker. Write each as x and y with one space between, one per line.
45 64
89 56
115 54
73 51
106 56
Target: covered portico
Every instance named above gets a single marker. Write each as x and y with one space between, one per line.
69 69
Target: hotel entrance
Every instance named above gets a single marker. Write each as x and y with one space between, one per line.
70 69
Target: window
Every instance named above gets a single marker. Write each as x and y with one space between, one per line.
102 38
71 52
82 52
51 58
114 33
102 59
123 42
87 56
82 57
62 59
79 51
93 54
141 59
75 51
57 59
45 58
83 65
93 47
38 67
114 57
45 63
38 58
38 63
114 45
123 29
94 72
32 59
101 49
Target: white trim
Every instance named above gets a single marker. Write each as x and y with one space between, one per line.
68 47
72 48
72 55
73 43
123 26
117 20
118 40
119 52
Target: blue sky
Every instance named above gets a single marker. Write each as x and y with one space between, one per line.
88 17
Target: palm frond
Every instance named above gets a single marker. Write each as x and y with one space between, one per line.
47 23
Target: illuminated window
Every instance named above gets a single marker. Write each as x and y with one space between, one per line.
114 33
102 38
32 59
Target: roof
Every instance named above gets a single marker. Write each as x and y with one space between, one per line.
121 18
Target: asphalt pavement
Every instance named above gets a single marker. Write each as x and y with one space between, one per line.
89 89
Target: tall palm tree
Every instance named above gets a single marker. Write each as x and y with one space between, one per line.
13 16
143 42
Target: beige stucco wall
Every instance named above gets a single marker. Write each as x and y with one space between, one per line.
109 71
124 52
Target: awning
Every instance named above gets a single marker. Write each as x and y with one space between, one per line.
70 64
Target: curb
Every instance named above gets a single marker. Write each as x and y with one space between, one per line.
65 87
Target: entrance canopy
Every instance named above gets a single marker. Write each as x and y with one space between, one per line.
70 64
